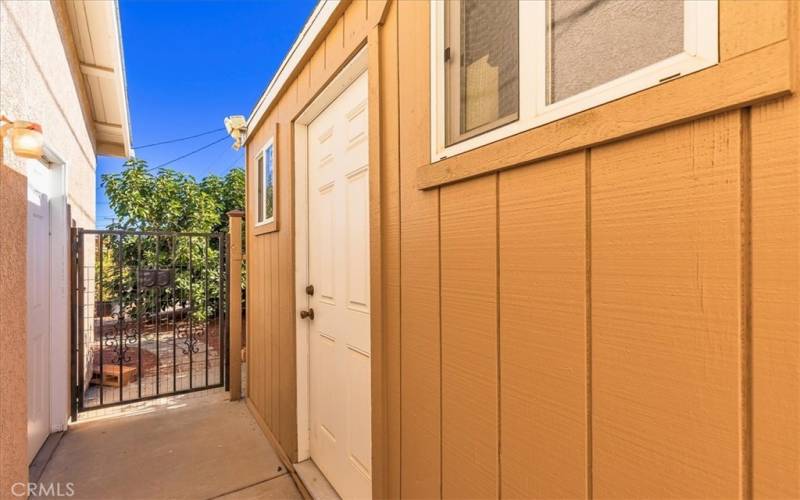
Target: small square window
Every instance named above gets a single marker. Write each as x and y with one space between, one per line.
269 184
260 194
266 184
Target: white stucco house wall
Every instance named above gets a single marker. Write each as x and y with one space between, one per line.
61 66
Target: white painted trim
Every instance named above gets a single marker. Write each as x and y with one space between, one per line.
701 50
339 84
120 80
263 154
312 29
59 384
437 105
531 42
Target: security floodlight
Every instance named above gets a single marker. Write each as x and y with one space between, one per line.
236 126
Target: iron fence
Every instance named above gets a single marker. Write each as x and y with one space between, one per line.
149 315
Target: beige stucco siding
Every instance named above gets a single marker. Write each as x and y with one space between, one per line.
39 84
13 394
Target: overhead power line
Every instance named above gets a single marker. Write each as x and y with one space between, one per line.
98 188
216 161
238 158
180 139
190 153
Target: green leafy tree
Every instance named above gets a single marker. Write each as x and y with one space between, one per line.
172 202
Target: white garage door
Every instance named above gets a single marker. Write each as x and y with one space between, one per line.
338 194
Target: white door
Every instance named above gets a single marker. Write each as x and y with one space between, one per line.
38 284
338 199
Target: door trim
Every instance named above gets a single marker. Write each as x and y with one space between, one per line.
58 349
60 389
355 68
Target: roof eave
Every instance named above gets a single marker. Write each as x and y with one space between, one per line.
122 86
311 31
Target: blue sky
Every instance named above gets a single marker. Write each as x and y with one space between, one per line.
189 64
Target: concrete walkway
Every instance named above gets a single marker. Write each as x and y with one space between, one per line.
186 447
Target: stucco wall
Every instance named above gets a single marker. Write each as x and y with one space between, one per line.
13 416
40 82
38 75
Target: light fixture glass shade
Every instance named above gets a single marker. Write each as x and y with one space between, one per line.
27 140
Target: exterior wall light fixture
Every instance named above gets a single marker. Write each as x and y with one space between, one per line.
26 137
237 128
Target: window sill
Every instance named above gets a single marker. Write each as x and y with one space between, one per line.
756 76
269 227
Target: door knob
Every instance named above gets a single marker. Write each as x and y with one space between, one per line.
310 289
307 314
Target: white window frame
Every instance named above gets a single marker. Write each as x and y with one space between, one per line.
701 50
263 155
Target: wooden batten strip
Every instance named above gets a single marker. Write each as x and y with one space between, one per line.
498 350
379 389
746 314
588 306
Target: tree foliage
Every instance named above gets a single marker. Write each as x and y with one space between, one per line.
172 202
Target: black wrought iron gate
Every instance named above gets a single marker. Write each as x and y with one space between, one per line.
149 315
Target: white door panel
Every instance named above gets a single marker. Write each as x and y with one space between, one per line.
338 198
38 294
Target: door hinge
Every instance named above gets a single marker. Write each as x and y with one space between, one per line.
446 54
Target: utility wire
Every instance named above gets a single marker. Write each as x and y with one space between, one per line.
235 161
179 139
98 188
190 153
215 162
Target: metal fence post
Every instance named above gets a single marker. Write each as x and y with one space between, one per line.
235 218
75 319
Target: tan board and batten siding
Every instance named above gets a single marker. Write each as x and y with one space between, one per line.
619 318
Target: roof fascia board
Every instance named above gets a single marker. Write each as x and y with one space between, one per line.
313 28
121 80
